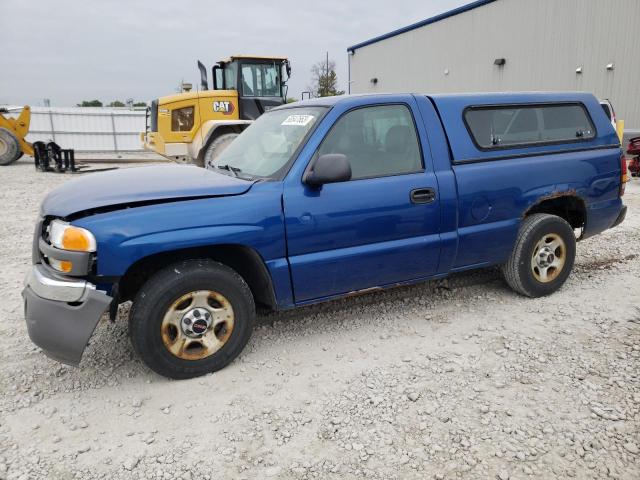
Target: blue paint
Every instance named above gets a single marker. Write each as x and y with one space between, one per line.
323 244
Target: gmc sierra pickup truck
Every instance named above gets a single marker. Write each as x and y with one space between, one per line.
317 200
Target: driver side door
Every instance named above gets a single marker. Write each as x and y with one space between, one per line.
377 229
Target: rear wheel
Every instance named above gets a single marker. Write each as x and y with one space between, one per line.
192 318
216 147
543 256
9 147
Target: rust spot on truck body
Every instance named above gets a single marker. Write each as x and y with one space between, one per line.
552 196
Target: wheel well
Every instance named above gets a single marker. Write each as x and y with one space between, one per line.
244 260
569 207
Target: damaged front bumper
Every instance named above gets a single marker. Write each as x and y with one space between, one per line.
61 313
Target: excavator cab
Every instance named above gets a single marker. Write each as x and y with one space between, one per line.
196 126
261 82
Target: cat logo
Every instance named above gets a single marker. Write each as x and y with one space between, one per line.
226 108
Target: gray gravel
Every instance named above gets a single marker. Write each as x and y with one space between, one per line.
460 379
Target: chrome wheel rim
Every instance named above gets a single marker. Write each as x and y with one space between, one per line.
549 257
197 325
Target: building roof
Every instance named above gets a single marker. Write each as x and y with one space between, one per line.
428 21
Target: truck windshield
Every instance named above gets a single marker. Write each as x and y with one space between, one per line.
265 148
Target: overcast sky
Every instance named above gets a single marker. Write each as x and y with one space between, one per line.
72 50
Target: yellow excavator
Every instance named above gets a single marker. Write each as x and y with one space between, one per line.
12 136
195 127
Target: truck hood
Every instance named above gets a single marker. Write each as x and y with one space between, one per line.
140 185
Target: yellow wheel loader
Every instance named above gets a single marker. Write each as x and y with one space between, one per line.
12 136
195 127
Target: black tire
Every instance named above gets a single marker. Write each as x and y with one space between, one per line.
216 147
519 271
9 147
157 296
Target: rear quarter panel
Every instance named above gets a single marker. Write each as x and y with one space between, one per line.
496 188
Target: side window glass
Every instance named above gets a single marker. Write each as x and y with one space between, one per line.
378 141
271 81
257 71
522 128
219 78
230 72
248 81
565 122
495 127
182 119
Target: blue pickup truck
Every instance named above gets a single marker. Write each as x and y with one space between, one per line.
318 200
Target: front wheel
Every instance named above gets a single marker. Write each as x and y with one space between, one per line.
192 318
9 147
216 147
543 256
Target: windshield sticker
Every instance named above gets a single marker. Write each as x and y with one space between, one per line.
299 120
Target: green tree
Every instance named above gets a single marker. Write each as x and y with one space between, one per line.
140 104
116 103
324 81
90 103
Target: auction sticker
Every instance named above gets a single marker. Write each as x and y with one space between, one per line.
299 120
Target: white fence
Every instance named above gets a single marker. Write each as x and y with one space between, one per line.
87 129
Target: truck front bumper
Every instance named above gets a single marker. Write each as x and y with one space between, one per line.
61 313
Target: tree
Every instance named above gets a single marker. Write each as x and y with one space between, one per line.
116 103
324 81
140 104
90 103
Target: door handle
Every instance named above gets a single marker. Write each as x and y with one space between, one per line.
423 195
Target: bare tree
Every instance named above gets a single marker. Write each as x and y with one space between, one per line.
324 81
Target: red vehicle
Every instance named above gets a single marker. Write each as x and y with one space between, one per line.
634 149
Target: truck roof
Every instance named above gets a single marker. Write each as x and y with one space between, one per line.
451 108
489 98
479 98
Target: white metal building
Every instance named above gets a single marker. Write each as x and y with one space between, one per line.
511 45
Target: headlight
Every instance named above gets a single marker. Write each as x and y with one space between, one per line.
67 237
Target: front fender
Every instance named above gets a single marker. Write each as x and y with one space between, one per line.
189 238
253 219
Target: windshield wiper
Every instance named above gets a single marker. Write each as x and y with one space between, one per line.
229 168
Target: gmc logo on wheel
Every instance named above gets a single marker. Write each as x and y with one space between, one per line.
226 108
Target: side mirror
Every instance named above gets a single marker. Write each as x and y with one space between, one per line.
329 168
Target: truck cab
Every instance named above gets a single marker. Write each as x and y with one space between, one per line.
196 126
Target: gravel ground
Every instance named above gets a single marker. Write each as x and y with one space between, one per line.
447 380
